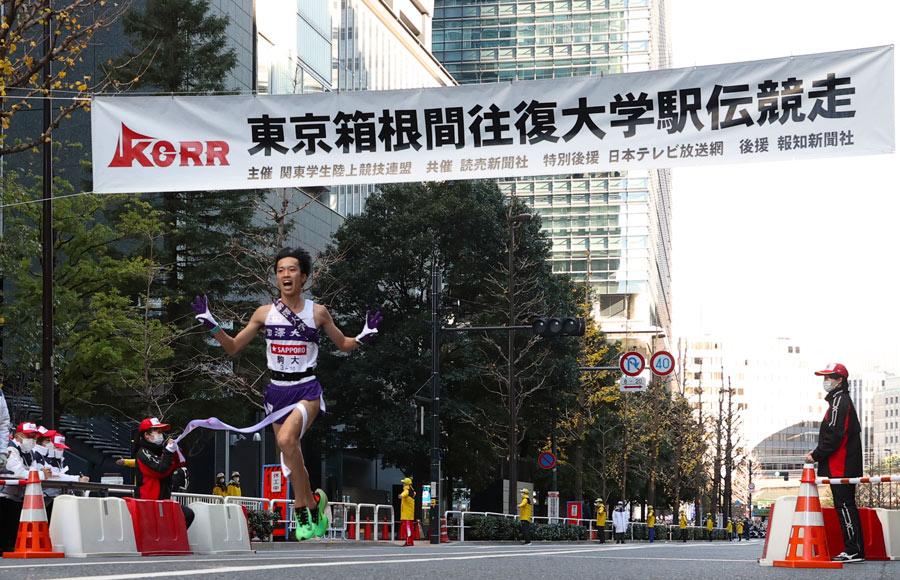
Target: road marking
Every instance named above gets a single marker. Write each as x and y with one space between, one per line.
297 555
658 559
240 569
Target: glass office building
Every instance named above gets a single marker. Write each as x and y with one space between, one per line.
381 46
608 229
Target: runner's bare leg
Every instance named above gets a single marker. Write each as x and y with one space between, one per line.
287 436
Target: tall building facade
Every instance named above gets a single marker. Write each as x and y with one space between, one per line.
380 45
865 390
611 230
886 413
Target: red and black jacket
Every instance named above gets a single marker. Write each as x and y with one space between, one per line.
155 466
839 452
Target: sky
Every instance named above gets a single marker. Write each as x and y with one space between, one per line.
800 249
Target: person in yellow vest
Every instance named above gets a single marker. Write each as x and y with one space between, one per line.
740 530
407 510
728 530
220 488
709 526
651 524
525 516
234 486
601 520
682 525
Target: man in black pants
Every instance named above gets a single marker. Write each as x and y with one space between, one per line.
839 454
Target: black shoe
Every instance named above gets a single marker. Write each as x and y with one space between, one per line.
848 558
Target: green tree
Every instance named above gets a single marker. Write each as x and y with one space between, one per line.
383 257
213 243
111 348
178 48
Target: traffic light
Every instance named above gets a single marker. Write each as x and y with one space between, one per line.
550 326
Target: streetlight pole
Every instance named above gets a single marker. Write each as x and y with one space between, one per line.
436 495
513 451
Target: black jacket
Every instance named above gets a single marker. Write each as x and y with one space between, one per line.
839 452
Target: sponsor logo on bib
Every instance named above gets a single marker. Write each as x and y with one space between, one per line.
289 349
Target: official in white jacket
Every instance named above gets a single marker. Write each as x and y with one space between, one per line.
620 522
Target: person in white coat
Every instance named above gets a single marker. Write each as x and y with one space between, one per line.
620 522
4 429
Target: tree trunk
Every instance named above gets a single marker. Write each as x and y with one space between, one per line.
578 464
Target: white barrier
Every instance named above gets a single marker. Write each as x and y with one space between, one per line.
219 529
779 531
890 524
390 509
92 526
186 499
251 503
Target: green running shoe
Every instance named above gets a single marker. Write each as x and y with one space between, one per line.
305 528
320 519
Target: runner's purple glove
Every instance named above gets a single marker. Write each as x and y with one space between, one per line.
201 307
373 319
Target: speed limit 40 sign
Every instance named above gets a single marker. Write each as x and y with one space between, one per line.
662 363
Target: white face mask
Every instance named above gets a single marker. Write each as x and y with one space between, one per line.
56 453
40 450
27 445
156 438
829 384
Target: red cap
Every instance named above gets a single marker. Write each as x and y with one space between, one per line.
46 433
152 423
834 369
59 440
27 428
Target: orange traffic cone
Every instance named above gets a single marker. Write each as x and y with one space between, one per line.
808 546
445 537
33 540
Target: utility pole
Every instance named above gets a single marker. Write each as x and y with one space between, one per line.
436 495
513 443
48 387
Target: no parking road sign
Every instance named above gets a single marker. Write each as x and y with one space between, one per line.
546 460
662 363
632 363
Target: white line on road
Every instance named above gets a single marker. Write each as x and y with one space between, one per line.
239 569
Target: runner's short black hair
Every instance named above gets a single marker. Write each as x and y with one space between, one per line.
302 256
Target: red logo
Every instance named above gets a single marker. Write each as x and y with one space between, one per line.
152 152
289 349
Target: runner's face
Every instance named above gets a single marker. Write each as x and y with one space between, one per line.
289 277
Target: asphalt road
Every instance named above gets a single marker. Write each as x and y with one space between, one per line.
330 560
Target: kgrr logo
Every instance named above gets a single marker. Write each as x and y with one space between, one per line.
152 152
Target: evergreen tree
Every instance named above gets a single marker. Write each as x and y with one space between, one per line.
383 257
213 241
178 48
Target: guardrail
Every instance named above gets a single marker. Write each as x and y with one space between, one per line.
186 499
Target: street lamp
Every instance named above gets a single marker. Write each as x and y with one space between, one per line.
514 221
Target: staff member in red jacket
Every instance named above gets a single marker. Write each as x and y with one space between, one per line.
839 454
156 462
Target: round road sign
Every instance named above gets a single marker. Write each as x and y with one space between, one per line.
662 363
632 363
546 460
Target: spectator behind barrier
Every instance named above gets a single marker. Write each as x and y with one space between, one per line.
19 460
220 488
234 486
156 461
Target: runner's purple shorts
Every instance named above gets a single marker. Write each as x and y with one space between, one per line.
278 397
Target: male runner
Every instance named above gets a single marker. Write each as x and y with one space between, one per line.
292 325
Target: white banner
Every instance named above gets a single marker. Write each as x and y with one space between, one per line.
821 105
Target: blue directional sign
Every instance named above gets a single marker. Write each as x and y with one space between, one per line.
632 363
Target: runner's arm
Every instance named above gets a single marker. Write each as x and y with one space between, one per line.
325 322
234 345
